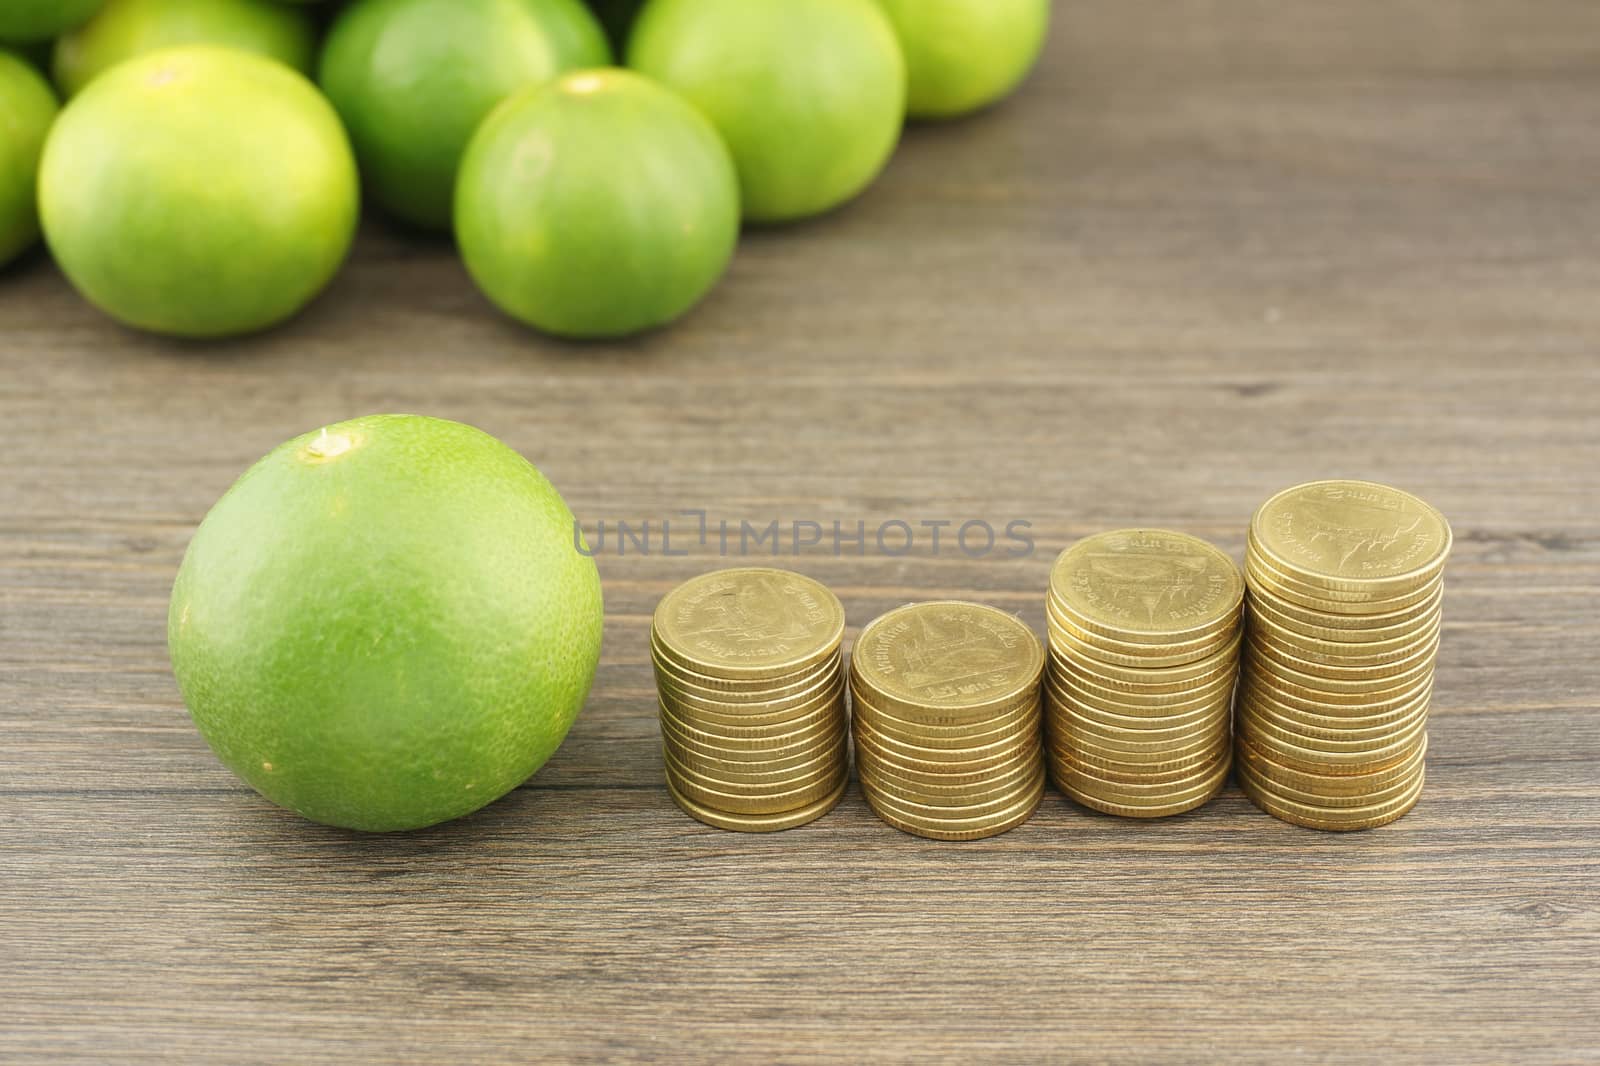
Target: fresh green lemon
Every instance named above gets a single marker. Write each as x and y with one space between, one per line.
386 623
809 94
598 206
412 80
963 55
199 192
27 108
123 29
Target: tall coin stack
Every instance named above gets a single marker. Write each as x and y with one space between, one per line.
946 719
1144 657
1346 581
751 684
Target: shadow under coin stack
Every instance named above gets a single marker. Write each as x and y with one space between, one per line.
1144 657
751 685
946 719
1346 581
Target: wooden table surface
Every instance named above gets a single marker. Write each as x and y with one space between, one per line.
1214 248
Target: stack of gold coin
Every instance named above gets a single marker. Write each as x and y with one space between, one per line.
1144 657
1346 580
946 722
752 698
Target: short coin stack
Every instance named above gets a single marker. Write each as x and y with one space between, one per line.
1346 580
1144 657
751 685
946 721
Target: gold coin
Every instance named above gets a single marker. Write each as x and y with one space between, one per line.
1270 584
1112 766
1261 564
1422 655
1316 685
1313 721
966 812
736 779
1068 737
717 762
761 823
1392 791
1024 812
1352 536
1024 709
1382 625
1335 819
767 750
1331 785
749 701
917 757
963 659
749 623
1201 778
740 803
931 785
1263 682
1151 680
821 712
1135 774
1257 721
826 716
1334 624
958 829
1024 723
879 784
1081 730
1147 586
1336 740
1142 810
739 690
1136 656
1343 653
1092 705
1135 703
717 771
1295 753
1117 737
756 714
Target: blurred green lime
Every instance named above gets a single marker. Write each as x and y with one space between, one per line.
27 108
598 206
26 21
809 94
412 80
386 624
198 191
123 29
962 55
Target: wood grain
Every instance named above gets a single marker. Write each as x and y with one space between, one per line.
1213 248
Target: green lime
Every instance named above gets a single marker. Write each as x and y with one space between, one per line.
386 623
809 94
27 108
26 21
198 191
962 55
598 206
412 80
126 28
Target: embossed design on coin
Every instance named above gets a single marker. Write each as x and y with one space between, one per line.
1147 581
948 654
750 620
1351 530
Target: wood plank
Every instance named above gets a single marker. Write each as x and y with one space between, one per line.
1213 248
